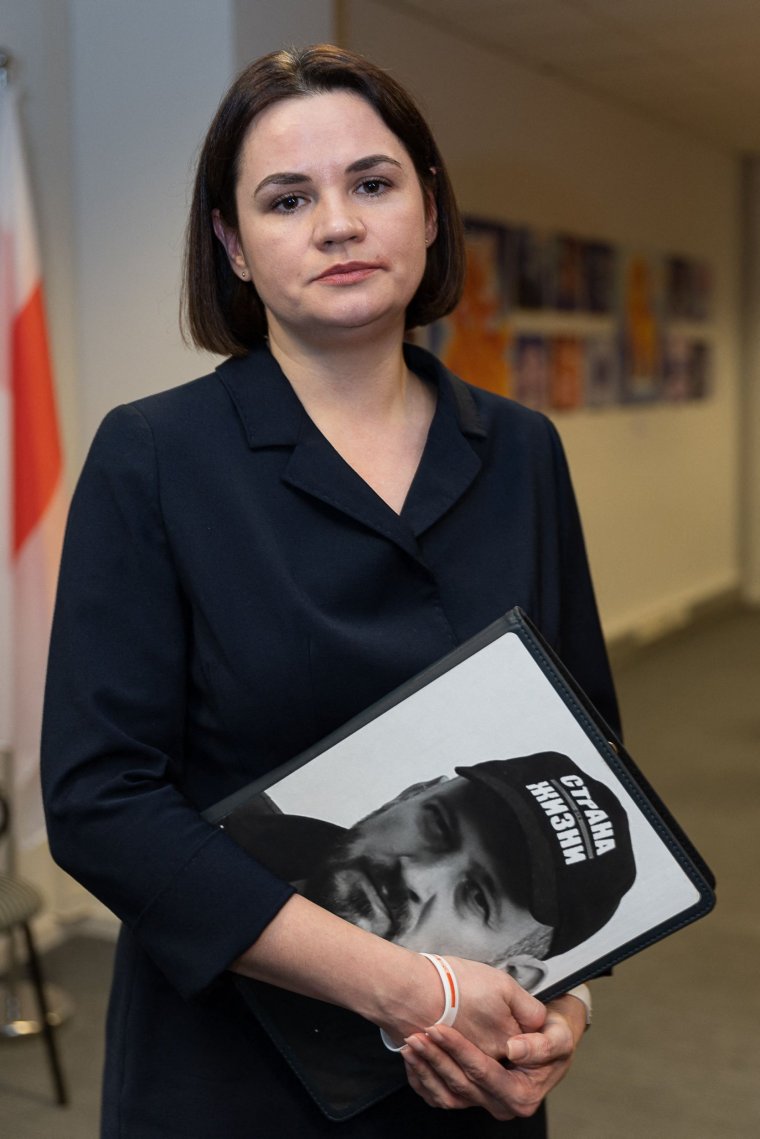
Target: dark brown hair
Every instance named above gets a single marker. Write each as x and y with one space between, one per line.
223 314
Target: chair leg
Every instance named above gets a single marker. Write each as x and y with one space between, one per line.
47 1028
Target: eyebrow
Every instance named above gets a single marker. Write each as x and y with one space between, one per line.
287 178
452 824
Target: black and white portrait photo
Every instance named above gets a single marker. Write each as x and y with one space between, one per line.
481 812
508 861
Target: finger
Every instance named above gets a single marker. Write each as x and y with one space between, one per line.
448 1071
415 1083
529 1012
526 1086
473 1078
424 1079
535 1049
451 1052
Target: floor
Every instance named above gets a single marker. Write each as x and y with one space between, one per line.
82 969
674 1051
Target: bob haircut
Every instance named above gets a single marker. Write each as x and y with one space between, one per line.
223 314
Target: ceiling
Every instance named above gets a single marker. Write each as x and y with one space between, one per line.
693 63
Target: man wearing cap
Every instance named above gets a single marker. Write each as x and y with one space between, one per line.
510 862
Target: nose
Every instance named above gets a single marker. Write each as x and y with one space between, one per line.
420 883
421 904
337 221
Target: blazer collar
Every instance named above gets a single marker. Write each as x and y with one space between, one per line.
270 411
272 416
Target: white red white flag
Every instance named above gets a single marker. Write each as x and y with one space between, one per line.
31 482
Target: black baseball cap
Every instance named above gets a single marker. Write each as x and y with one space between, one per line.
580 856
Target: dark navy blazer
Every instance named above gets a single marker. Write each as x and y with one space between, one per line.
231 590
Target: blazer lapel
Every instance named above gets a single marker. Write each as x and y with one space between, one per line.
449 463
273 416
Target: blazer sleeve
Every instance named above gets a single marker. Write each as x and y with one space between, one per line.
581 644
113 729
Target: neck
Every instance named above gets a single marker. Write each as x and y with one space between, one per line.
362 376
365 401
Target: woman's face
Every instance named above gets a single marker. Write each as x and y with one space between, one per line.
332 224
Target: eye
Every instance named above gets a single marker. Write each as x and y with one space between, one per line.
477 900
437 829
373 187
288 203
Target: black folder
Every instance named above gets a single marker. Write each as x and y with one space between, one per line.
519 800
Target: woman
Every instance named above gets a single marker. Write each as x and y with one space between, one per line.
255 557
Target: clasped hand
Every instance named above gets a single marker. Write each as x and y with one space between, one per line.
506 1053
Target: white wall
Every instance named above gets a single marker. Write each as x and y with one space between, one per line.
146 79
262 27
658 486
117 95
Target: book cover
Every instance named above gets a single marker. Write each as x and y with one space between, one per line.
482 810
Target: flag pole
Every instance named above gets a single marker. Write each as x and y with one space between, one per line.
6 751
20 1014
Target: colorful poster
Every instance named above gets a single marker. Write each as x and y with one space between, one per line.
602 376
532 371
533 285
688 289
641 328
567 367
687 368
561 322
599 271
474 340
568 293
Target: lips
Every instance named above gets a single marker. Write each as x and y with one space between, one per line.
348 273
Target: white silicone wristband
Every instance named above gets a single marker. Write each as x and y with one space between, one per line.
450 997
450 988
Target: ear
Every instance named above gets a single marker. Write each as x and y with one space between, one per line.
527 971
230 239
431 219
